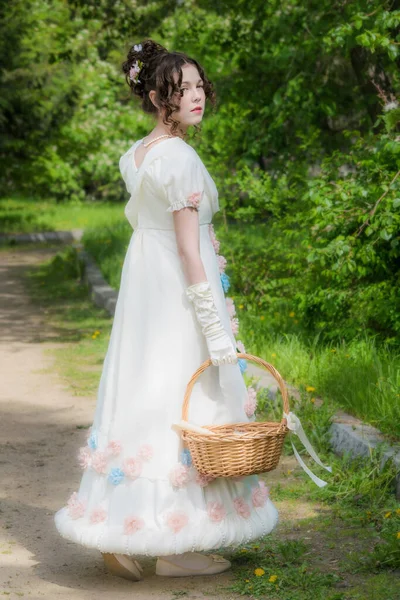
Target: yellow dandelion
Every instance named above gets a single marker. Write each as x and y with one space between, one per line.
241 306
398 512
289 471
398 535
347 355
291 314
388 514
273 355
94 337
310 388
273 578
262 317
247 580
244 550
259 572
333 349
312 400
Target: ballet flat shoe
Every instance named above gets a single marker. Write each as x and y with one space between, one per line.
167 568
123 566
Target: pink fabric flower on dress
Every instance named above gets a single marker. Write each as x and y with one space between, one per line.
214 241
179 475
146 452
240 346
259 494
98 515
222 262
84 457
133 524
216 511
242 508
235 325
251 403
194 199
99 461
132 467
114 448
76 507
230 306
177 520
203 480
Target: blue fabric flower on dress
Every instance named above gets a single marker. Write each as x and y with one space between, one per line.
186 458
116 475
242 364
92 440
225 282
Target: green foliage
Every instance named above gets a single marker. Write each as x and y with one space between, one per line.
304 145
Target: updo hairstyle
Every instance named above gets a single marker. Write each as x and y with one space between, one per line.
157 72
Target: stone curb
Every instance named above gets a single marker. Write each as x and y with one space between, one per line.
347 433
45 236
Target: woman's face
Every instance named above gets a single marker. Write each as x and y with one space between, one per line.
191 98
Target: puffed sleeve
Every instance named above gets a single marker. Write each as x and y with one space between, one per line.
183 181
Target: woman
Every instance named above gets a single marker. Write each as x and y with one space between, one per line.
139 494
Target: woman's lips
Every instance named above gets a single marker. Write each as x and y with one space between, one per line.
197 109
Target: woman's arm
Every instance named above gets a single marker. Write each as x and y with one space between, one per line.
186 224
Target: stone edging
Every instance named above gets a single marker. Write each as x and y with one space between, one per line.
347 433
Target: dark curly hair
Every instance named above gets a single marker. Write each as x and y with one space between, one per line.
158 68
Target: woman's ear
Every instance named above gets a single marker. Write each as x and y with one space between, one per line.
152 96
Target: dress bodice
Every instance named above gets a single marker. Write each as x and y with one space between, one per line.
170 173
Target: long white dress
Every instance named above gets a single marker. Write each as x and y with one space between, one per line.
139 493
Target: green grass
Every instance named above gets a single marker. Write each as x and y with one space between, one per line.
339 542
21 215
362 376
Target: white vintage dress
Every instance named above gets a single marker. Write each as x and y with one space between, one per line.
139 493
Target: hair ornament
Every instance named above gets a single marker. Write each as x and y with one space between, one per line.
135 70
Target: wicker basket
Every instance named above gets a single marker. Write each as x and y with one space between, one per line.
236 449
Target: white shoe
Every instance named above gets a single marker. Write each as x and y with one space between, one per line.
123 566
191 563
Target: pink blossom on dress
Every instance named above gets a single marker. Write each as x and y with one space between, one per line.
76 507
203 480
259 494
99 461
179 475
133 524
177 520
235 325
98 515
132 467
216 511
146 452
251 403
240 346
214 241
222 262
114 448
230 306
84 457
194 199
242 508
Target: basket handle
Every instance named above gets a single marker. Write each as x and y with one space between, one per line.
258 360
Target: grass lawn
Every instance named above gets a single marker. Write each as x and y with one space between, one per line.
340 542
21 215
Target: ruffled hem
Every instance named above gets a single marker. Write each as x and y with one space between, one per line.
155 540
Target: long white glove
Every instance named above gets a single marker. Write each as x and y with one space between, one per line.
219 343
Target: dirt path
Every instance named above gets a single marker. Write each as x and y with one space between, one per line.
39 438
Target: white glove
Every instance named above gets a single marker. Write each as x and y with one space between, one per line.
219 344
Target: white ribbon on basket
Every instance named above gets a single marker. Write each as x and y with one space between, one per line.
294 425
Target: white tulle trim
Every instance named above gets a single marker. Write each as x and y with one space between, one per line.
156 540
